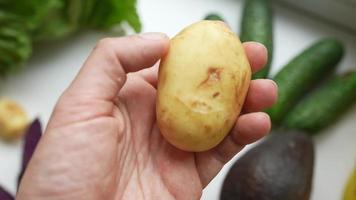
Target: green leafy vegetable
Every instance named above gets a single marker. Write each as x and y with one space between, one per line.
15 45
23 22
106 14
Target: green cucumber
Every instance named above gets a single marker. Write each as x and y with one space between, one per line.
214 16
302 73
324 105
257 26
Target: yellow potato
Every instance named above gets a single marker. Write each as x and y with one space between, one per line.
13 120
203 81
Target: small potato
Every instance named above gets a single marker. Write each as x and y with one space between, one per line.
13 120
202 85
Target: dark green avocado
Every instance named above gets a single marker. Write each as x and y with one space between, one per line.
279 168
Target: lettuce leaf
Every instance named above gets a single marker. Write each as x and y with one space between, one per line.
23 22
31 12
15 48
111 12
73 15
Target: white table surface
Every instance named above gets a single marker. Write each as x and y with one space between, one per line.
53 66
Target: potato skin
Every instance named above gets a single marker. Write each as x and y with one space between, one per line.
202 85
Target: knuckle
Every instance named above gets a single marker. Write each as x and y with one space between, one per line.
107 49
105 43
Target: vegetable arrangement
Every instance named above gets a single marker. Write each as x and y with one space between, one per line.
24 22
311 97
281 167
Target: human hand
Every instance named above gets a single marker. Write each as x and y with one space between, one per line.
102 141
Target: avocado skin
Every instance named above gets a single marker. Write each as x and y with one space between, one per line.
279 168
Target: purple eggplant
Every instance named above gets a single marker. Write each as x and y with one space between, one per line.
32 137
4 195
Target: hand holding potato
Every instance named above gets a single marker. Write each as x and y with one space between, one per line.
103 142
203 81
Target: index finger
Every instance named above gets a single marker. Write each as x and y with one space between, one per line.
256 54
104 72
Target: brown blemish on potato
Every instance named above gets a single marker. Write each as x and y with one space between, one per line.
207 128
197 103
200 106
216 94
213 75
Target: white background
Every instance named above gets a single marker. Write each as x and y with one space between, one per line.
53 66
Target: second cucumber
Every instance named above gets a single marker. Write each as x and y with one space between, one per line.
323 106
304 72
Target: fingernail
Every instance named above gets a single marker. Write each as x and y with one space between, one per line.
275 92
260 45
264 116
153 36
273 83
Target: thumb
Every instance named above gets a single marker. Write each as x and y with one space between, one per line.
104 72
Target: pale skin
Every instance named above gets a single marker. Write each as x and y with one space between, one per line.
102 141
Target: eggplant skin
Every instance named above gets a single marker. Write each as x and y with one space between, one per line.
279 168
